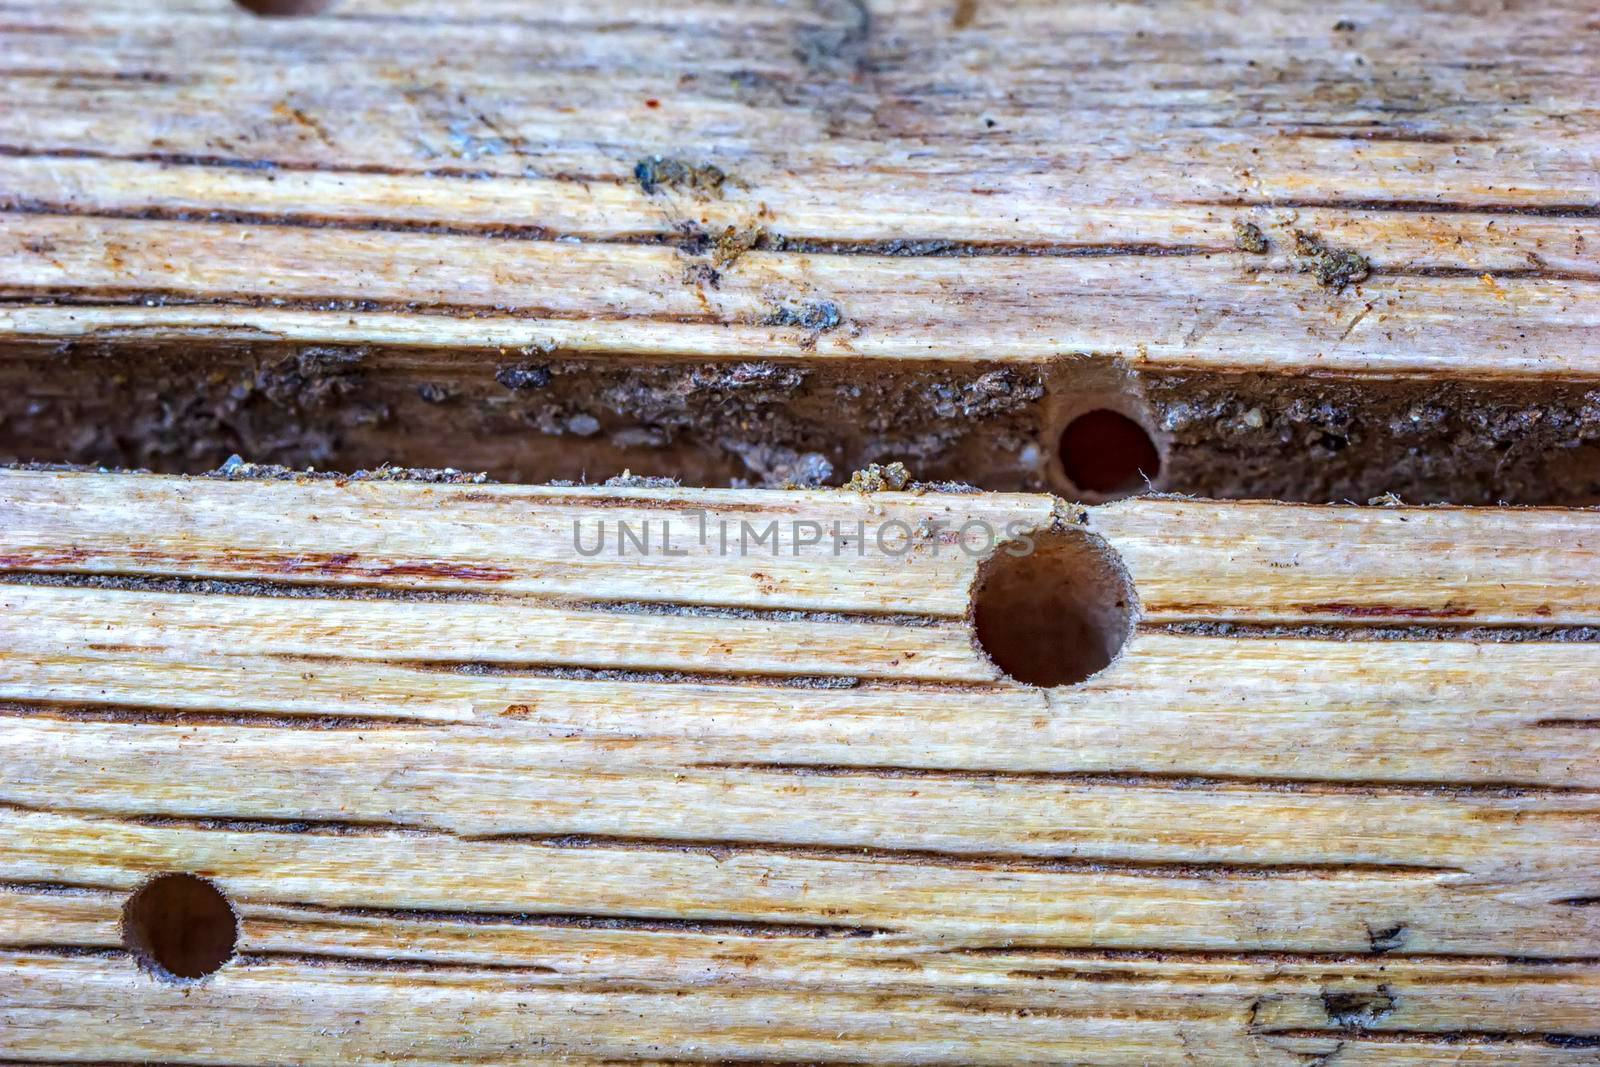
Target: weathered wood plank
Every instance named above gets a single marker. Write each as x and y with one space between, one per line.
464 819
1192 559
899 308
938 231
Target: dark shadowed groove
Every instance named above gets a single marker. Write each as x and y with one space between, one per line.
311 827
1542 274
639 607
78 711
1394 270
669 676
58 889
644 923
304 590
176 159
1092 954
1509 633
721 850
66 952
148 298
1164 780
1279 975
950 248
340 223
905 248
305 566
252 587
1422 207
1384 133
396 963
537 25
1524 1038
1566 724
69 74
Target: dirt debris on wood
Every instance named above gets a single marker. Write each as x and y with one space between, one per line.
733 242
654 173
817 316
772 422
1247 237
1358 1009
523 376
236 468
629 480
1334 268
780 467
1229 435
880 478
702 274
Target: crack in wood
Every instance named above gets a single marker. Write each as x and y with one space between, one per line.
1167 780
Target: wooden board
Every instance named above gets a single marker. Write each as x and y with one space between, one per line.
480 795
772 242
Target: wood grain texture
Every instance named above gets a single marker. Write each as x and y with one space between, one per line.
478 797
917 188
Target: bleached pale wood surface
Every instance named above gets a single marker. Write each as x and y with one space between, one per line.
478 799
162 165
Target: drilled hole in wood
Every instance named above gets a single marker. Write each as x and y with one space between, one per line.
1106 453
278 8
1053 609
179 927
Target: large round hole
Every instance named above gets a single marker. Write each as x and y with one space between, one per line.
179 927
1106 452
1054 608
285 7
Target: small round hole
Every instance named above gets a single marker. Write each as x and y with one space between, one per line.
1106 452
1056 615
179 927
276 8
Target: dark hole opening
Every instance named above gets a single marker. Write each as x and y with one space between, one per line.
179 927
285 7
1108 453
1056 615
